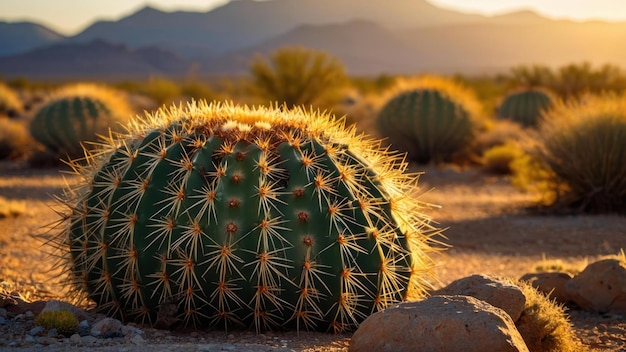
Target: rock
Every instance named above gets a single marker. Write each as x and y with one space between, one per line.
29 315
88 340
75 339
128 330
496 292
439 324
107 327
553 285
601 287
17 306
53 333
137 340
56 306
37 330
83 328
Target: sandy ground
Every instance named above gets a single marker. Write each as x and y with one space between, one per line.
488 227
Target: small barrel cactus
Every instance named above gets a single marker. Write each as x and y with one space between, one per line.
431 119
525 106
64 321
76 115
227 215
10 103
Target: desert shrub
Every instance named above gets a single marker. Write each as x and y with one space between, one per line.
584 146
64 321
431 118
298 77
499 132
544 324
76 115
11 208
15 141
161 90
10 103
525 106
498 159
197 91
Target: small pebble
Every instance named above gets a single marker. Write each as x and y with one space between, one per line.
29 339
75 339
88 340
20 317
3 313
29 315
137 340
53 332
3 321
37 330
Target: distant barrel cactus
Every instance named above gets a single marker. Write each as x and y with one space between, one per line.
247 216
431 119
77 114
10 103
525 106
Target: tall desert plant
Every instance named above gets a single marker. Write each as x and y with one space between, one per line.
77 114
298 77
430 118
264 217
584 145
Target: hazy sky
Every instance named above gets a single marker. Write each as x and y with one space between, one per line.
71 16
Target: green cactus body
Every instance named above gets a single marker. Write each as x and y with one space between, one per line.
65 123
525 106
426 123
253 217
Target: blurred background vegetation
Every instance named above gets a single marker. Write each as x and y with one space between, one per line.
583 122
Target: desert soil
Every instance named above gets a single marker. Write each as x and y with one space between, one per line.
488 227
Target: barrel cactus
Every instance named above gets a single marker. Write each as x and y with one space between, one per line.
525 106
431 119
224 215
10 103
76 115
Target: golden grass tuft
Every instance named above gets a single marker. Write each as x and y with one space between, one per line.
11 208
544 324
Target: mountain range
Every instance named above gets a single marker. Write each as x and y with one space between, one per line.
369 36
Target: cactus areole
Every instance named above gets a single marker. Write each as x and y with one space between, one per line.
246 216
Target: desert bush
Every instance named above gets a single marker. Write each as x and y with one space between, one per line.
499 132
583 143
544 325
197 91
298 77
11 208
498 159
161 90
75 115
525 105
431 118
10 103
64 321
15 142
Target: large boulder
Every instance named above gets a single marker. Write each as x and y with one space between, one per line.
601 287
552 284
439 324
497 292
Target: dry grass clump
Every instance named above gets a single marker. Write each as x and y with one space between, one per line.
498 159
11 208
15 142
544 325
64 321
10 103
584 146
558 265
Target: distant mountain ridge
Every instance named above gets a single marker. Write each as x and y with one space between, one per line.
18 37
369 36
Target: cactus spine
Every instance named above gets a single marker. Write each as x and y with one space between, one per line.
525 106
78 114
247 216
431 119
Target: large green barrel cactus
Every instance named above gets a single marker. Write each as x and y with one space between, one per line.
525 106
227 215
10 103
431 119
76 115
